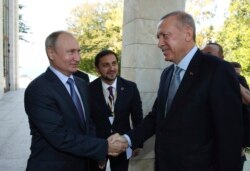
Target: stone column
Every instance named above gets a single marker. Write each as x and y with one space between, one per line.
2 83
142 61
13 44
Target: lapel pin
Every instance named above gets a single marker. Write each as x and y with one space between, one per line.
191 73
122 88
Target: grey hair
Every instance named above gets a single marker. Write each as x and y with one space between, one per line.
184 18
50 41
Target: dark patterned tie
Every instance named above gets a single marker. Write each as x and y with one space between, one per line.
76 99
174 84
111 99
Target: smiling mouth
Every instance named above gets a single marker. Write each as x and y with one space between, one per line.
74 65
111 73
164 53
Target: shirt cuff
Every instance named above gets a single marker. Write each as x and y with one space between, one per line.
128 139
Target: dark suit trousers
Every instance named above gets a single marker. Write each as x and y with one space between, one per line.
119 163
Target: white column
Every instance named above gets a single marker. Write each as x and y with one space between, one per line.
13 41
142 61
2 83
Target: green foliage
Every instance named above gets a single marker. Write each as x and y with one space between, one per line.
204 18
97 26
235 35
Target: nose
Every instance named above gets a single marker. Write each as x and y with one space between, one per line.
112 67
160 42
77 56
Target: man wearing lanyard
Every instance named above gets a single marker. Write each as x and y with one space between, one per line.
114 101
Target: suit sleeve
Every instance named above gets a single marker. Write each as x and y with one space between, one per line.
144 130
136 110
226 106
47 122
148 126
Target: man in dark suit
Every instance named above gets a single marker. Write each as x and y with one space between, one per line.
114 116
201 130
246 110
57 107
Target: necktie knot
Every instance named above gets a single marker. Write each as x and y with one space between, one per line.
177 71
110 89
70 81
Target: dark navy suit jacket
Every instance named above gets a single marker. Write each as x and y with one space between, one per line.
128 103
59 141
202 131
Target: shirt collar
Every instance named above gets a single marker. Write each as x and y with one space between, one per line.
183 64
60 75
105 85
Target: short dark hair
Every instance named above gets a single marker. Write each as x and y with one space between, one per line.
236 64
218 45
102 54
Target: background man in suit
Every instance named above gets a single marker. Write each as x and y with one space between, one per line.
246 109
237 67
61 130
214 49
111 114
217 50
245 95
202 129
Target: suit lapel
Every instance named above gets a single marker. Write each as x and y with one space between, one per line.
191 74
101 101
99 95
121 93
58 86
62 91
166 79
82 89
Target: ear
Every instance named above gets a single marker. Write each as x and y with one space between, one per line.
51 53
97 70
188 34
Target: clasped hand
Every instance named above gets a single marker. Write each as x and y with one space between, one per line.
117 144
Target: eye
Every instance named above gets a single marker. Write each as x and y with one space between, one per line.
73 51
163 35
114 63
70 52
105 65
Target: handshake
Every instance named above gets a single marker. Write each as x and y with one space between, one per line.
116 144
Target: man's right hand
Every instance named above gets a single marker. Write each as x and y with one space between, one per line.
117 144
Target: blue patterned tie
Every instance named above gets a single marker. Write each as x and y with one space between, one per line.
174 84
76 99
